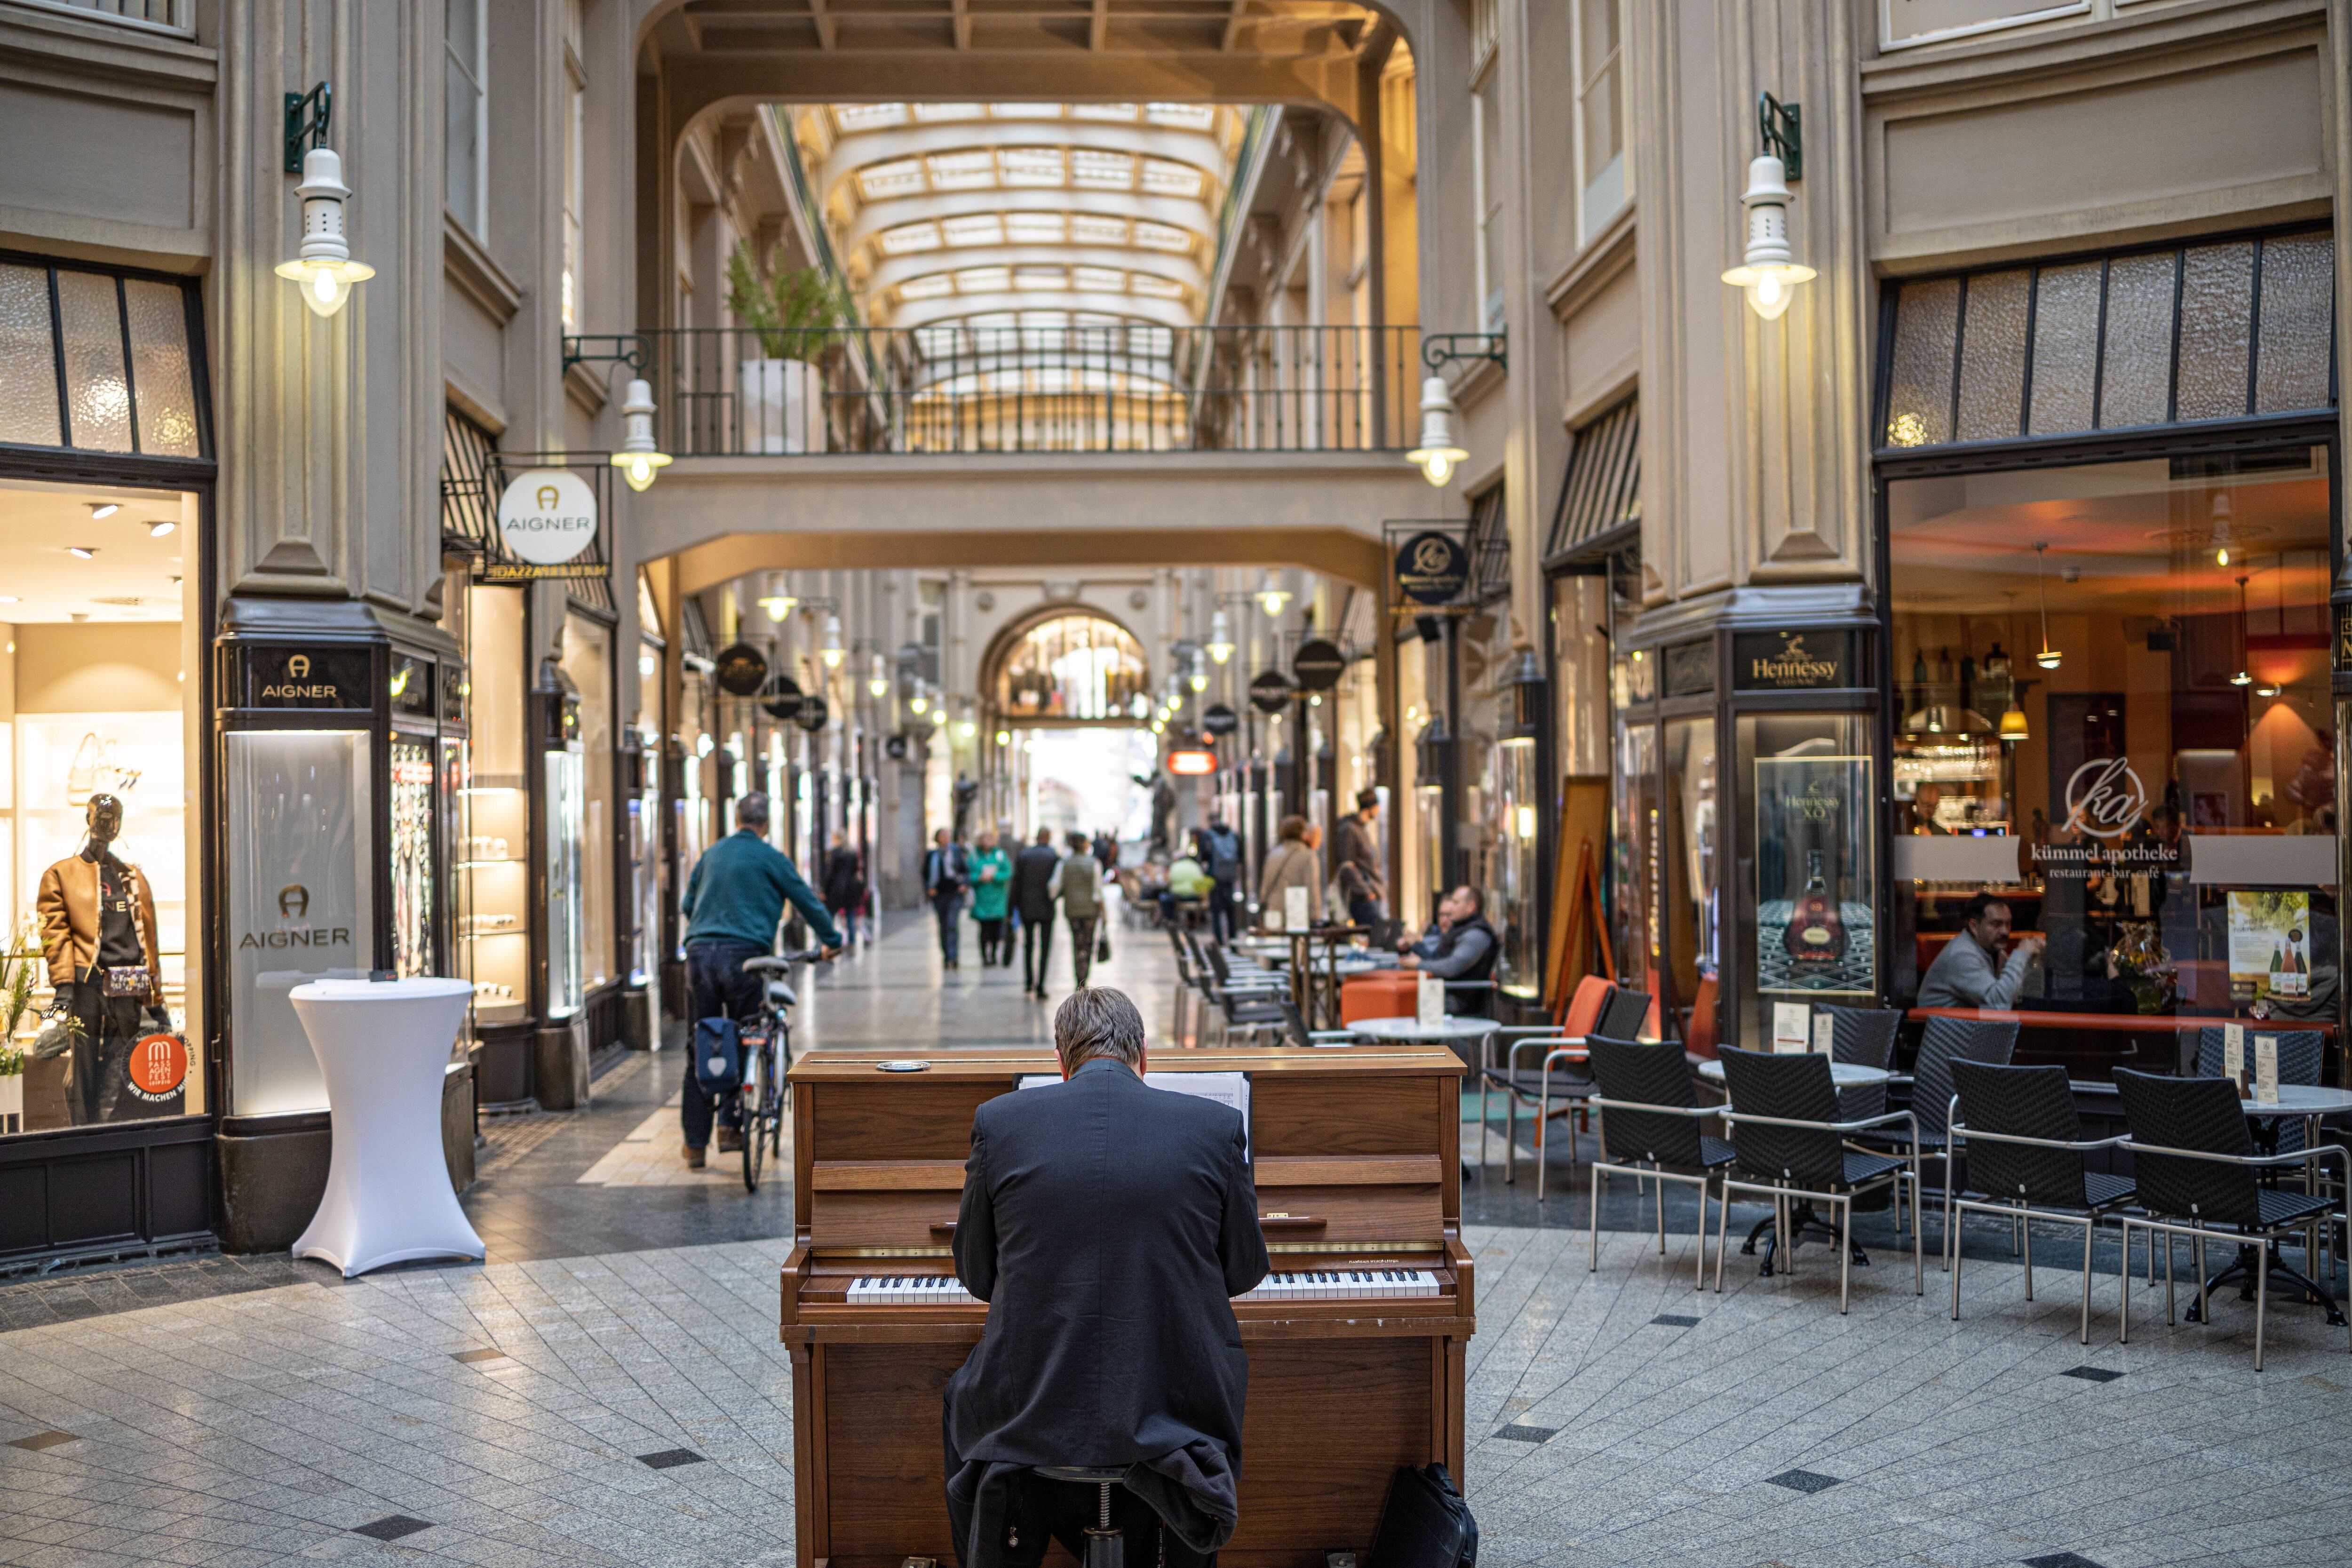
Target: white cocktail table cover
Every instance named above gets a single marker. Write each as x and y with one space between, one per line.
383 1046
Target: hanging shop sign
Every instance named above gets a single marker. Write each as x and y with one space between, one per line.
781 696
1432 568
1219 720
1272 692
1191 761
547 520
1317 664
740 670
324 676
811 715
1793 661
896 748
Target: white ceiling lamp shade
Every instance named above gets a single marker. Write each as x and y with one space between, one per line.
1221 637
1769 271
640 456
779 601
323 267
1272 596
1437 455
832 651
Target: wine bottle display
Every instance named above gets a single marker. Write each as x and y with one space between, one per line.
1816 932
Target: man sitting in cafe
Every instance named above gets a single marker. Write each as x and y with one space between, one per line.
1459 945
1969 972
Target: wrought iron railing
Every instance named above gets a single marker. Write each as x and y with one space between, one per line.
956 388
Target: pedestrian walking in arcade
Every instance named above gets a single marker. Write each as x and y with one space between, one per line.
1293 864
992 894
1224 865
734 902
1078 883
845 887
1032 898
946 875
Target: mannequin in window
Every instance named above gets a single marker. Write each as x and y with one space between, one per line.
98 933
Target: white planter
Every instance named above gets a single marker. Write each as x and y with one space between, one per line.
782 406
12 1103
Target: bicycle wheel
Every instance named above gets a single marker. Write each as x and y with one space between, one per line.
755 1138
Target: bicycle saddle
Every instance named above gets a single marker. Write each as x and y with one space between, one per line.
766 966
780 991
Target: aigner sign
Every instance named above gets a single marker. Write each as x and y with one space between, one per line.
547 520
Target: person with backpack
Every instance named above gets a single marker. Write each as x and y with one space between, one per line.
1224 868
734 902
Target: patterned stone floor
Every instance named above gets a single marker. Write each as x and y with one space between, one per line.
609 1388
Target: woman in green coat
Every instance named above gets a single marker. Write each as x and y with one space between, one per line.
992 885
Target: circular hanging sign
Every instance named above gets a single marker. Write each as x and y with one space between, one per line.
1432 569
159 1066
781 696
547 516
1271 692
1219 720
1317 664
741 670
812 714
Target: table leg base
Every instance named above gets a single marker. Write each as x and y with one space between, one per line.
351 1268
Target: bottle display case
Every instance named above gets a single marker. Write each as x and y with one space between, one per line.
1815 933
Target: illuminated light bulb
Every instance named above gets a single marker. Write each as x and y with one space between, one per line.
1198 681
647 665
158 530
1769 271
2221 558
1004 737
777 601
639 458
2242 679
831 655
967 730
2048 658
919 705
98 509
939 716
1221 637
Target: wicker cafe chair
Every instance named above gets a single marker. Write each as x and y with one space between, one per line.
1864 1038
1647 1121
2193 1160
2026 1156
1788 1145
2300 1054
1945 1041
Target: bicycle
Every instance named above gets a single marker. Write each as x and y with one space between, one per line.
770 1034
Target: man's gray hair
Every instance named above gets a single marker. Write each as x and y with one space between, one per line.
751 810
1098 1021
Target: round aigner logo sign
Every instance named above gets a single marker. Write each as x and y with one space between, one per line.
547 516
2104 797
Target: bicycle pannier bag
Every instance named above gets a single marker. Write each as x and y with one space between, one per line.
718 1055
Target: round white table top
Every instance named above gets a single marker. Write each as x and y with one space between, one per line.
412 988
1414 1030
1846 1075
2301 1099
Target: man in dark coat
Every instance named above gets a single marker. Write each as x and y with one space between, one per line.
1107 1225
1033 901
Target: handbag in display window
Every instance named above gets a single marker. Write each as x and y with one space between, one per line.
81 773
127 980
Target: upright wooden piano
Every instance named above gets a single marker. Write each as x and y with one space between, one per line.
1355 1153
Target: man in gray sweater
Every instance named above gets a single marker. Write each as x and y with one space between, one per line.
1969 972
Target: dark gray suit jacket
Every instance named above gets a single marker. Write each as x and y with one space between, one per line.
1107 1225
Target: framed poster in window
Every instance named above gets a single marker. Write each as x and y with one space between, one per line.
1814 849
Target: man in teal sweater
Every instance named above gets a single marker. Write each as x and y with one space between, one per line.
734 902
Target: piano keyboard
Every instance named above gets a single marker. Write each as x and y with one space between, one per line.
1317 1285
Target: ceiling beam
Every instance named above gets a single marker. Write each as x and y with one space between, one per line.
1232 26
828 30
964 24
1098 29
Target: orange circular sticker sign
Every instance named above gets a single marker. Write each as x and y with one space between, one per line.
159 1065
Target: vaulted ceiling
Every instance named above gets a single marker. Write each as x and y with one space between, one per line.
1023 214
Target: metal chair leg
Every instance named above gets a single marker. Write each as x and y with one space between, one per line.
2261 1300
1593 1225
1698 1282
1845 1252
1952 1267
1722 1231
1660 1185
2087 1234
1918 1248
2026 1231
2122 1305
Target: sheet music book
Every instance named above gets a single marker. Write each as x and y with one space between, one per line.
1224 1087
2267 1069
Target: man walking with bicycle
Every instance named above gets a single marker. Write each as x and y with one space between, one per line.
734 902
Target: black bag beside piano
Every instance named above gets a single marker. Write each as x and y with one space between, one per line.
1425 1523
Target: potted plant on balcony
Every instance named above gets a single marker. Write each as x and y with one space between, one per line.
794 313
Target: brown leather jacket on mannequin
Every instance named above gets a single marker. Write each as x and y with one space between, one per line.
67 903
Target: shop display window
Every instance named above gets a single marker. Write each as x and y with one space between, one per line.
1512 869
587 660
2113 708
412 809
492 862
565 802
98 639
1806 917
1690 845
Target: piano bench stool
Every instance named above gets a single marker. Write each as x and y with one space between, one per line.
1106 1548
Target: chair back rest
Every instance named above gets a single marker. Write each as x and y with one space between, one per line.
1643 1074
1183 959
1584 1006
2200 1114
1945 1041
1217 964
2024 1102
1864 1036
1797 1086
1294 1025
1621 1017
2299 1053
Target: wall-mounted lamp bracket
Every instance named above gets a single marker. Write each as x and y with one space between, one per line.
625 348
307 117
1782 128
1440 349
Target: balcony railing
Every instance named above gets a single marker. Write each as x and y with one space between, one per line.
732 392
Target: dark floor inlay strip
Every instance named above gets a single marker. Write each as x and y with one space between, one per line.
1675 1321
2060 1559
40 1440
470 1357
391 1527
1803 1480
2092 1374
1527 1434
670 1458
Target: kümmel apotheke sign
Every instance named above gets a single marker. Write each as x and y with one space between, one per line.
1793 661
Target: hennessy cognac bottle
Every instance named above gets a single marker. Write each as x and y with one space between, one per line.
1816 932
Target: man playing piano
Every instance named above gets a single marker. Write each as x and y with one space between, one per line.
1108 1224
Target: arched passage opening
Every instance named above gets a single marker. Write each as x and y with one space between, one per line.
1067 708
